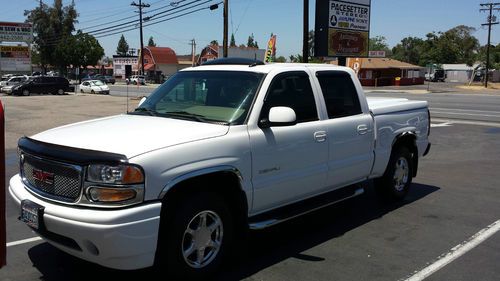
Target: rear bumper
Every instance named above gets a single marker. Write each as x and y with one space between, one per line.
121 239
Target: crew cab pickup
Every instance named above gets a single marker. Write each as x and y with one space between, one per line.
216 150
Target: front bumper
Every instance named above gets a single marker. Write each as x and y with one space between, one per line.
122 239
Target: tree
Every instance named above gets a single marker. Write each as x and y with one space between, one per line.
280 59
214 43
251 42
52 26
83 50
151 42
379 43
296 58
122 48
233 42
409 50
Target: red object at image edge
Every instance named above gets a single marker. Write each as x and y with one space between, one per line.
3 249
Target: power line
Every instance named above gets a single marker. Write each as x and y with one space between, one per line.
141 6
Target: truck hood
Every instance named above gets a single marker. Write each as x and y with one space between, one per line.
130 135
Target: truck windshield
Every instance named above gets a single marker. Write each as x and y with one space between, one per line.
205 96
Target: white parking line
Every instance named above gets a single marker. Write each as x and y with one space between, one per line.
24 241
456 252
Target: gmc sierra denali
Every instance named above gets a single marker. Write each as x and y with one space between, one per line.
216 150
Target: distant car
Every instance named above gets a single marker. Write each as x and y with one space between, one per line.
437 76
106 79
42 84
94 87
136 79
6 86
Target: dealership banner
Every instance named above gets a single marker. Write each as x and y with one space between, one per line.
271 49
342 28
16 32
15 58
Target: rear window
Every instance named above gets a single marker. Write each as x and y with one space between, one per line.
340 94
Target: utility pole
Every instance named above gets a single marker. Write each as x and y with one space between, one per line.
305 44
491 21
193 51
226 29
141 6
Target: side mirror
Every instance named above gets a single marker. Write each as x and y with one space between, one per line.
142 101
279 116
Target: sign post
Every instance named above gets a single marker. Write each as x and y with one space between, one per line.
342 28
3 250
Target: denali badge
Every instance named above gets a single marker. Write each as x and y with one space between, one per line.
43 176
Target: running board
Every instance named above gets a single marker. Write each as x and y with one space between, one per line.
289 212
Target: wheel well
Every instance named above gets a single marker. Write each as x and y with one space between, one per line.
408 140
226 184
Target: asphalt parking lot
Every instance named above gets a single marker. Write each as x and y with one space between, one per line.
455 195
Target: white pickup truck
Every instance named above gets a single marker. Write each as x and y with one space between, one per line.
216 150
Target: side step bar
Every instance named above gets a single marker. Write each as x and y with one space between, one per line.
289 212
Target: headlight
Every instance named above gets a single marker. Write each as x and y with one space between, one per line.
121 174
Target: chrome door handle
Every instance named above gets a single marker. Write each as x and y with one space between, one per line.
362 129
320 136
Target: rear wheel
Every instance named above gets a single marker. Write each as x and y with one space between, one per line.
60 92
197 237
92 92
26 92
396 181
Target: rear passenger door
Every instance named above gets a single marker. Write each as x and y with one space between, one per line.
288 163
350 130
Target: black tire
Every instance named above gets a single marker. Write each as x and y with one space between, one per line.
174 239
60 92
92 92
396 181
25 92
81 90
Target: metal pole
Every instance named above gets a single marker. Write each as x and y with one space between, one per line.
489 24
226 29
305 47
142 41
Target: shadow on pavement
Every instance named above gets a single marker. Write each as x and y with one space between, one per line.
264 248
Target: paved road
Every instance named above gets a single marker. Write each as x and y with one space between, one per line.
455 195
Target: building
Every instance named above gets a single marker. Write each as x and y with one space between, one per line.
125 66
212 52
459 72
159 61
386 72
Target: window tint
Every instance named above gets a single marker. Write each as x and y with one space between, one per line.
340 95
292 90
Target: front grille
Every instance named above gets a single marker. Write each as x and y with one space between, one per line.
52 179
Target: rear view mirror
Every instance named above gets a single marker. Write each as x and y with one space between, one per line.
142 101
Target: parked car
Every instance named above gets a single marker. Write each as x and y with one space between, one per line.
215 151
6 86
437 75
106 79
136 79
42 84
94 87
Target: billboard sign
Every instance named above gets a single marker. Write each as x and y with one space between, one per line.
376 54
342 28
15 58
16 32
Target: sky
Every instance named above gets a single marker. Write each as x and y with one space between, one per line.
393 19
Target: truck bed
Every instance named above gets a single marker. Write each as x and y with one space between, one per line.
380 105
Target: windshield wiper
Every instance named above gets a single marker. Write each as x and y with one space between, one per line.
147 110
197 117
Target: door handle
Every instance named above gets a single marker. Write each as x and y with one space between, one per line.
362 129
320 136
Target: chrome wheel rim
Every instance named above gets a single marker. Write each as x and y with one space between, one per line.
202 239
401 174
26 93
60 92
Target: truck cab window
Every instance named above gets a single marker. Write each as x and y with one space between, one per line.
341 97
292 90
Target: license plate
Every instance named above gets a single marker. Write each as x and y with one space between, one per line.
31 214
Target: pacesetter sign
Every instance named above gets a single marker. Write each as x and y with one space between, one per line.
342 28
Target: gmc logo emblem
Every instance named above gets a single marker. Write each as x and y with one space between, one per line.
43 176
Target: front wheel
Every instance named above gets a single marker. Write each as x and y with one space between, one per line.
60 92
26 92
92 92
197 237
396 181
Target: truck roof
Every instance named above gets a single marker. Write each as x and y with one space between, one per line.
264 68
